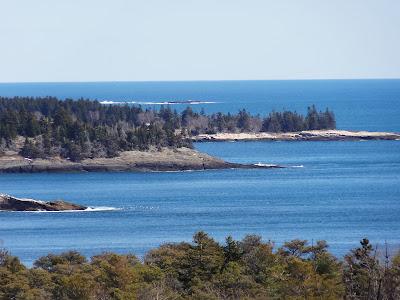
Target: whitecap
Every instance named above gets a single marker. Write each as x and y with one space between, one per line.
101 208
264 165
89 209
187 102
110 102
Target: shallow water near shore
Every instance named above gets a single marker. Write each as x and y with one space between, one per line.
344 192
337 191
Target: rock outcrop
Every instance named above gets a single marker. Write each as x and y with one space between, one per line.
9 203
310 135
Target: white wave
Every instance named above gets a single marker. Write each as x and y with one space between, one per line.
191 102
89 209
102 208
179 171
264 165
110 102
273 165
23 199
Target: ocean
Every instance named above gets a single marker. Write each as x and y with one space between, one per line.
337 191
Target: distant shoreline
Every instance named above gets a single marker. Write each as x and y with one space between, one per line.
310 135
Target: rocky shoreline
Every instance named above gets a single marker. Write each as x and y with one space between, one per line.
180 159
10 203
311 135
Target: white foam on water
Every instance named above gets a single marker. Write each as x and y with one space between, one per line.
264 165
273 165
110 102
188 102
180 171
102 208
89 209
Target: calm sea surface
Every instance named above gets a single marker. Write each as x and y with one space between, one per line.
337 191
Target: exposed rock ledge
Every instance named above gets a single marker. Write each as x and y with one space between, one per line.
9 203
311 135
165 160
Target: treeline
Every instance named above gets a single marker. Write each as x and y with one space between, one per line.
288 121
87 129
205 269
84 129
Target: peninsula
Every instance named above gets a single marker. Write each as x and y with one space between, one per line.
166 159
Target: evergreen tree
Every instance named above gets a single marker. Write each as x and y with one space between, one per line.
30 150
362 272
243 122
312 122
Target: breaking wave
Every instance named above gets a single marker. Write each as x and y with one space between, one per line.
102 208
192 102
89 209
272 165
264 165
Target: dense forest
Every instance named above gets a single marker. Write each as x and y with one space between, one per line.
205 269
88 129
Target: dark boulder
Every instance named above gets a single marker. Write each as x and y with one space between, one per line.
9 203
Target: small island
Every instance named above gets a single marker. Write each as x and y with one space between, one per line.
10 203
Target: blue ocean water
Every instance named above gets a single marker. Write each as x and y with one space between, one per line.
337 191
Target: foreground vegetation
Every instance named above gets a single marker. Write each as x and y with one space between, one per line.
88 129
205 269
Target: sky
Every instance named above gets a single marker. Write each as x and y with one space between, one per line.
157 40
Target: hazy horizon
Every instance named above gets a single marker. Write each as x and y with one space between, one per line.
196 80
102 41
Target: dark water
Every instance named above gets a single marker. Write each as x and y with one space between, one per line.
337 191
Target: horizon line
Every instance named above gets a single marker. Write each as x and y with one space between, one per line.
200 80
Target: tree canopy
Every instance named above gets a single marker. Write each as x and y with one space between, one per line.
205 269
88 129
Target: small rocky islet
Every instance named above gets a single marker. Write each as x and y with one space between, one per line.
10 203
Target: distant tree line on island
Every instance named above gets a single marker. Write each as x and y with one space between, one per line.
205 269
87 129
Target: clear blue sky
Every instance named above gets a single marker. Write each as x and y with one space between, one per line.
109 40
